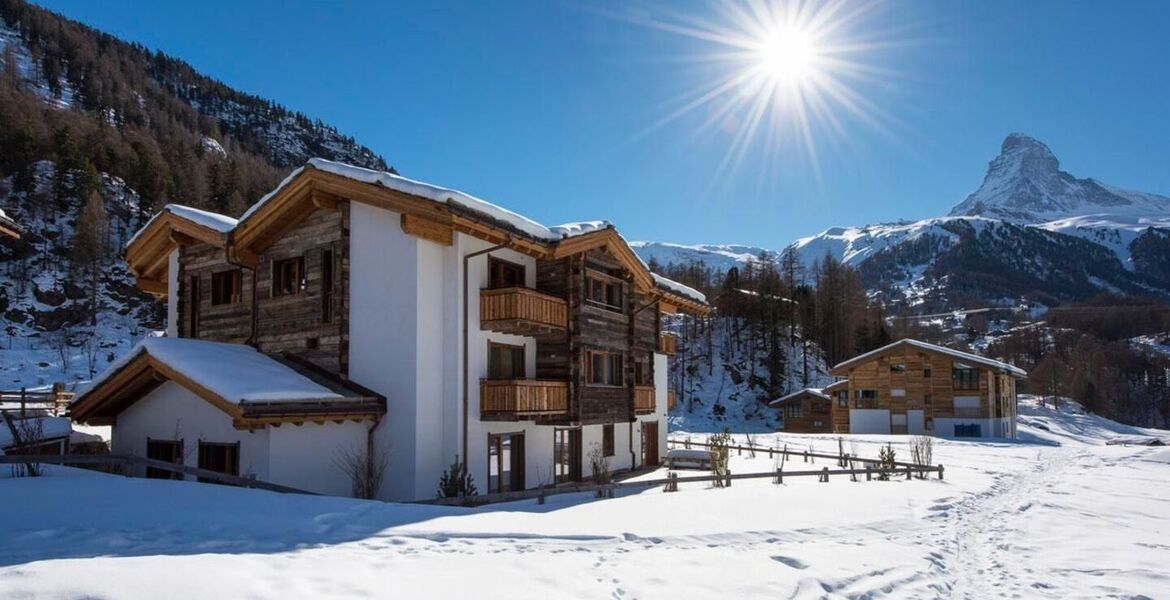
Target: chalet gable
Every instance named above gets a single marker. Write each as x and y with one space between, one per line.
996 366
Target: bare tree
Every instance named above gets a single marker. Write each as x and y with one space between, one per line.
366 468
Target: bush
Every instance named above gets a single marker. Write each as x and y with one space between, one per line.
886 458
599 465
456 482
922 452
719 446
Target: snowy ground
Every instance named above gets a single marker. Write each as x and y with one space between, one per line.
1059 514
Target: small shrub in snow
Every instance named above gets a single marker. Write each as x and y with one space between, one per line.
719 446
366 468
886 458
456 482
599 465
922 452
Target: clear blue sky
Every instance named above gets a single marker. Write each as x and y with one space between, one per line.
541 106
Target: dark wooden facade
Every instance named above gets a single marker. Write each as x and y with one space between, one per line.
808 412
310 322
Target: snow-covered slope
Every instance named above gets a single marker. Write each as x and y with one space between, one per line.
717 256
1059 514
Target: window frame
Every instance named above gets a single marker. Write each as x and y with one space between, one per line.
612 372
299 277
965 383
521 365
236 282
234 455
607 284
498 265
176 457
516 464
328 284
607 440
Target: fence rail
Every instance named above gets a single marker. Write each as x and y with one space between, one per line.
805 454
56 402
126 461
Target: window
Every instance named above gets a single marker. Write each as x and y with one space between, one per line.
605 368
926 373
972 430
167 451
643 373
504 274
566 455
927 399
505 361
898 367
964 377
866 399
505 462
327 286
607 439
288 276
843 398
795 410
221 458
193 307
605 293
225 287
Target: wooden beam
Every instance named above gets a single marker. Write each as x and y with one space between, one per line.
179 238
428 229
324 201
196 388
152 286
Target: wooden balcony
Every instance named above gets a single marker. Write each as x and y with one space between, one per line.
643 399
510 399
521 311
667 344
671 400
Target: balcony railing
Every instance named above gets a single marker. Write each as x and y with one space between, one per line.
510 398
671 400
643 399
521 311
667 344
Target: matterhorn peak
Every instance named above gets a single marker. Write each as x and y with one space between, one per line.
1024 184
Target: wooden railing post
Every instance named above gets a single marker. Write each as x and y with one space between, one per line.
23 399
940 472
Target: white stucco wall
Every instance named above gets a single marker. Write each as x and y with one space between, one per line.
869 420
383 334
305 457
171 412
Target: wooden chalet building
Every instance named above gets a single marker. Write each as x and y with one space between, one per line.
357 308
8 227
911 387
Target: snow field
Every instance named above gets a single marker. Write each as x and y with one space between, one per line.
1059 514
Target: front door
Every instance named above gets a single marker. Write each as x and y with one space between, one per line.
650 443
567 454
505 462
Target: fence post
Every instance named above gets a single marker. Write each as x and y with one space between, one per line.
779 477
909 473
23 393
727 479
769 453
868 472
940 472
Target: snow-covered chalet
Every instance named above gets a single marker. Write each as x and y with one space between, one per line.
352 309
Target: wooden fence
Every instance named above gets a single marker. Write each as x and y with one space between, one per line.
671 481
22 400
805 455
126 464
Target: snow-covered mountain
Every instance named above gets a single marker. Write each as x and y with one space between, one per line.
1030 230
1024 184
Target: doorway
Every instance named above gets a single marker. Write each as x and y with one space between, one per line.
650 443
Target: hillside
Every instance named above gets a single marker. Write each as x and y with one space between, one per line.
96 133
1066 512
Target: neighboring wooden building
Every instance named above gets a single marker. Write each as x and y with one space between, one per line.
8 227
809 410
490 336
914 387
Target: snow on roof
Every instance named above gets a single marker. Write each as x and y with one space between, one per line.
810 391
965 356
50 428
216 221
438 194
679 288
234 372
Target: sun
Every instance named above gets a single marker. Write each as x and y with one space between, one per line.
781 75
787 56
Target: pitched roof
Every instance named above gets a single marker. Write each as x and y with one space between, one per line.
814 392
993 364
243 382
